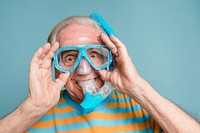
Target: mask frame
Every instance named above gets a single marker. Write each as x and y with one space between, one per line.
82 54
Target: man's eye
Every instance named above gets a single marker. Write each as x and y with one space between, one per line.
93 55
70 58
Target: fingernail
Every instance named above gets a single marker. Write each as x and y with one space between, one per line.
56 44
111 35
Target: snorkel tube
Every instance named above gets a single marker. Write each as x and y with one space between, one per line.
91 101
108 30
102 23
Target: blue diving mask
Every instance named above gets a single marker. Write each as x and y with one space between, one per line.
67 58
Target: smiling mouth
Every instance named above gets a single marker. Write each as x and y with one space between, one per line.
78 82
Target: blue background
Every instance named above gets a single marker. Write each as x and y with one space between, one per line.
162 37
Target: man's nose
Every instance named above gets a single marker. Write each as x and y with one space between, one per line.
83 68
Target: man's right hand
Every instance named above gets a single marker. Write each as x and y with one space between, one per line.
44 93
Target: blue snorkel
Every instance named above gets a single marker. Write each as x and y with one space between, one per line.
91 101
105 26
102 23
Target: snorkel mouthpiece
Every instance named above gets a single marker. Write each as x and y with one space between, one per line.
91 101
88 86
93 96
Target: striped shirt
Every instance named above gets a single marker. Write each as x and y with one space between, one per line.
118 113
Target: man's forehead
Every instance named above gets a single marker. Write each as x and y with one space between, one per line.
79 41
78 34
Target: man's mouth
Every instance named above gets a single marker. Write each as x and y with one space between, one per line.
79 81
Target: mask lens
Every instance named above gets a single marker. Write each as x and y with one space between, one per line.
67 59
98 56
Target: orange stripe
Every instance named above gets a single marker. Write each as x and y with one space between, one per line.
154 125
61 110
119 96
110 129
121 104
95 115
110 105
62 100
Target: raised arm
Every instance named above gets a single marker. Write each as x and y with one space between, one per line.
126 79
43 92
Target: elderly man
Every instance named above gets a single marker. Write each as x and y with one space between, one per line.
89 65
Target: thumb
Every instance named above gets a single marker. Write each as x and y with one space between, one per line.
105 75
62 79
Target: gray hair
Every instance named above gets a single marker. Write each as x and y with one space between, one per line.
82 20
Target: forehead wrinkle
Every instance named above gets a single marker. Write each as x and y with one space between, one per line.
78 34
79 41
79 30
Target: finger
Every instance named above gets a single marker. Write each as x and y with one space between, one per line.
105 75
46 63
119 45
116 41
61 80
36 58
108 43
99 38
39 54
46 49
